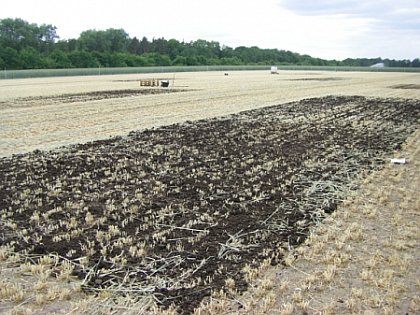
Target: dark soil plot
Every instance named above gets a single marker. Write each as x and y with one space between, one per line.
174 212
84 97
137 80
318 79
406 86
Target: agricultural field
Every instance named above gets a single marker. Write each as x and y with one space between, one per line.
181 196
43 122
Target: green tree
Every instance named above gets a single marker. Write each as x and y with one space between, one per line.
19 34
249 55
175 48
93 40
160 46
134 46
31 59
192 61
226 52
83 59
155 59
206 49
104 58
60 59
10 58
112 40
66 45
119 60
180 61
47 36
231 61
118 39
144 46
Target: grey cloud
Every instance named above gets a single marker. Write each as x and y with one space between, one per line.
386 14
362 8
392 28
407 19
327 7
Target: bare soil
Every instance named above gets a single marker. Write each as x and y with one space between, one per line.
407 86
179 211
318 79
81 97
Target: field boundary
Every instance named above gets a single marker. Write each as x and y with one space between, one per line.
40 73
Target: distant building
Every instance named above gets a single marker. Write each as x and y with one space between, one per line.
378 65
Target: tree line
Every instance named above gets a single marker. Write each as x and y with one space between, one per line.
25 45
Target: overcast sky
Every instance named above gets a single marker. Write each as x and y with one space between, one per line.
330 29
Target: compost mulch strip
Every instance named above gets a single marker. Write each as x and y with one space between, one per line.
406 86
85 97
318 79
177 210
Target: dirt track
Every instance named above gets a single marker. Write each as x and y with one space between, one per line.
46 124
